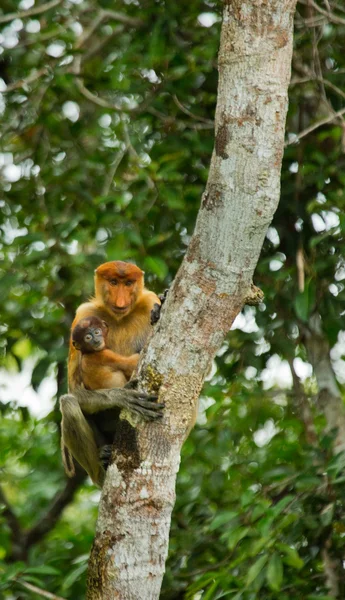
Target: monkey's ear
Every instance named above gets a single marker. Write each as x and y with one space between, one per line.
76 345
105 325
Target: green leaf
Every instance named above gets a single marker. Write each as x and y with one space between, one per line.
274 573
12 571
256 568
264 542
156 45
31 579
42 570
74 576
22 349
40 372
236 536
305 302
291 557
156 266
282 504
8 282
209 594
223 518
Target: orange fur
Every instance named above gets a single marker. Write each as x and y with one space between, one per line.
100 370
125 308
99 366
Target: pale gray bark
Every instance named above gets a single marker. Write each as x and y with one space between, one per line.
128 557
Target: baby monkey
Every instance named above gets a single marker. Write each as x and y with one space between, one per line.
100 368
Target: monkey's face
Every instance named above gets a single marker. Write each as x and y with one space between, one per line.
121 295
89 335
93 340
119 284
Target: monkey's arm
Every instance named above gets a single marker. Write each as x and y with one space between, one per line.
126 364
137 402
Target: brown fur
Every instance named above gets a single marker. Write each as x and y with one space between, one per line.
128 328
125 305
100 368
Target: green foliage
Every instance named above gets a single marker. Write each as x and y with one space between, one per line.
118 174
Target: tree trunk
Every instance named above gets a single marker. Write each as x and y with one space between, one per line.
128 557
329 400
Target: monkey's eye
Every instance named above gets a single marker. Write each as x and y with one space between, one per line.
98 331
129 283
88 337
113 281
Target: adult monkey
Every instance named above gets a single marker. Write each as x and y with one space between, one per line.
122 301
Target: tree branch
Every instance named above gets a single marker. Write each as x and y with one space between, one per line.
95 99
102 16
29 79
325 82
39 591
331 16
150 183
87 33
311 128
122 18
113 168
36 10
190 114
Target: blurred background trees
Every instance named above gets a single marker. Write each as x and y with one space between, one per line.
106 137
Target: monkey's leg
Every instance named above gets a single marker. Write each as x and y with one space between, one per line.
117 380
79 438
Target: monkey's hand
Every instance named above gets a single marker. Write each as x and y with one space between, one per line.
92 402
156 311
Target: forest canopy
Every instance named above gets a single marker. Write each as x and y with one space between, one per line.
107 118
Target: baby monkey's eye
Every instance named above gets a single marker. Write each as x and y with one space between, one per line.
88 337
98 331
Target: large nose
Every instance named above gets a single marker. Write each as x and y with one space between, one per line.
121 298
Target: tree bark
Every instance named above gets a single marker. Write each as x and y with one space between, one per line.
128 556
329 400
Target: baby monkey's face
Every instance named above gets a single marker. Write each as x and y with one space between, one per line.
94 339
90 335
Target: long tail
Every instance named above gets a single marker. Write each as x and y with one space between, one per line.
67 460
